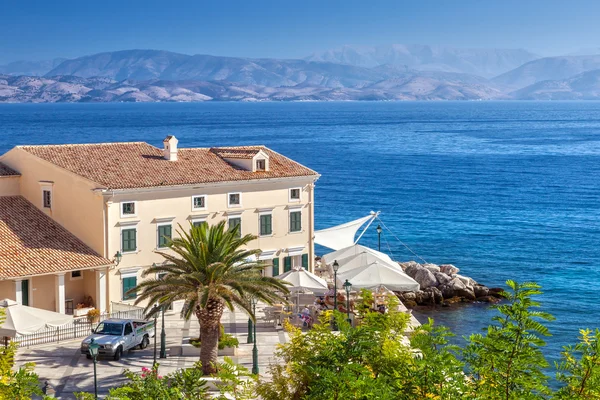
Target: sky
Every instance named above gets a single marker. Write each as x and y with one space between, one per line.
39 30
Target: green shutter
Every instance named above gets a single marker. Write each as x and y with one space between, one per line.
305 261
128 240
199 223
128 284
164 235
276 266
295 221
287 264
234 223
266 224
25 292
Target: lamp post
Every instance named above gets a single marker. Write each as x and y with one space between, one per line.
93 349
379 230
254 349
155 335
336 266
163 336
250 338
118 257
348 286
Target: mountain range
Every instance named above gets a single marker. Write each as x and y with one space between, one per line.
397 72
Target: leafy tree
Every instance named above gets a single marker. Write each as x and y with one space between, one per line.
579 369
210 270
16 385
507 362
236 381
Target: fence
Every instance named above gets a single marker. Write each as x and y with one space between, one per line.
79 327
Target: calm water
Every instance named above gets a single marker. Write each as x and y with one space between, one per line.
502 190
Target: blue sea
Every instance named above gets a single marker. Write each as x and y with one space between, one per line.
503 190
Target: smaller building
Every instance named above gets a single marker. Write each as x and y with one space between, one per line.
41 263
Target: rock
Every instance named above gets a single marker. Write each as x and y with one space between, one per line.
425 278
432 267
436 295
466 280
496 292
405 265
480 291
488 299
451 300
412 269
410 303
447 291
408 295
441 278
457 284
449 269
466 293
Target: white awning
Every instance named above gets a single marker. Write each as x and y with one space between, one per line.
377 274
354 250
23 320
301 279
341 236
295 251
267 255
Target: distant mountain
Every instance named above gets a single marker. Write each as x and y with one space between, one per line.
585 86
483 62
399 85
33 68
549 68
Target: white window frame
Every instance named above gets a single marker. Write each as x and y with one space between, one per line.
236 215
128 273
47 186
290 211
265 165
77 278
157 235
260 214
198 220
135 208
205 202
137 241
291 200
229 205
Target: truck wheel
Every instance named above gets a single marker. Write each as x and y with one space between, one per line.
145 342
118 353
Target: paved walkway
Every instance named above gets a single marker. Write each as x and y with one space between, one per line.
68 371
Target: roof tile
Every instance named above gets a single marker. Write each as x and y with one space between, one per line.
5 170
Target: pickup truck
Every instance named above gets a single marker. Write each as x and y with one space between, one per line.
114 336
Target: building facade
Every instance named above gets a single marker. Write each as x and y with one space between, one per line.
124 200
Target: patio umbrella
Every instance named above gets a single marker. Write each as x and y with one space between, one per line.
354 250
301 280
377 274
23 320
362 260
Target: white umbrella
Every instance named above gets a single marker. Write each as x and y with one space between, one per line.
354 250
362 260
377 274
23 320
302 280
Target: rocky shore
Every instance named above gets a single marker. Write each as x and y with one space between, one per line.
442 285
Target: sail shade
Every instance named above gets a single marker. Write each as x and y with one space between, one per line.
23 320
377 274
354 250
341 236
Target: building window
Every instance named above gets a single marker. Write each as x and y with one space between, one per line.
128 284
164 235
198 202
199 223
128 240
266 225
295 221
76 275
128 209
261 165
234 200
47 198
236 224
295 194
275 266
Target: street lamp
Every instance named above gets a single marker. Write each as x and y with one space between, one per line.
336 266
118 256
163 336
379 230
254 349
93 349
250 338
348 287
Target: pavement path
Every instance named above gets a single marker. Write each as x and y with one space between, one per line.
69 372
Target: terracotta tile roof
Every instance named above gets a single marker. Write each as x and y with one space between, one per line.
138 164
226 152
31 243
6 171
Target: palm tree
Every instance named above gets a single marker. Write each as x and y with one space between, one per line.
209 270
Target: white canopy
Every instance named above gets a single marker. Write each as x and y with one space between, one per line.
341 236
364 259
23 320
301 279
354 250
377 274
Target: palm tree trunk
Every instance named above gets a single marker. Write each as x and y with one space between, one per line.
210 322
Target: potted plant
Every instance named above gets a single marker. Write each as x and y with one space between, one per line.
84 307
93 315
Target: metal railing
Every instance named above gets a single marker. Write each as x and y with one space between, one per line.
79 327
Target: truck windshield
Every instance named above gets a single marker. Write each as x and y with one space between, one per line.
105 328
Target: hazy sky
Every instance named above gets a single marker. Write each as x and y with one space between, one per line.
35 30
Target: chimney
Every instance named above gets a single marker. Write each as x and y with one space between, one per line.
170 148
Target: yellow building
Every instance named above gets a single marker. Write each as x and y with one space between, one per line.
125 198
